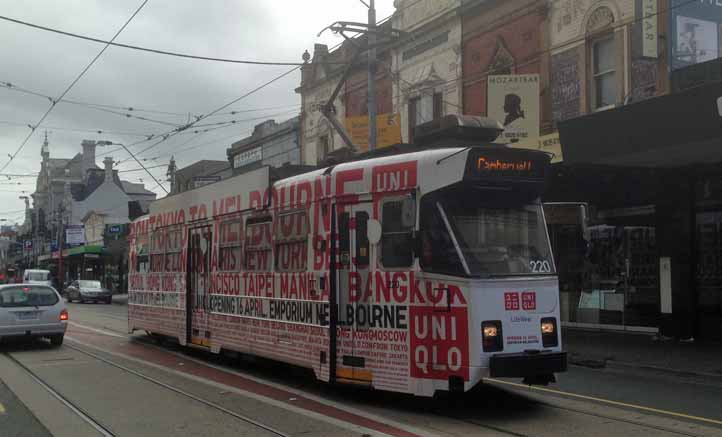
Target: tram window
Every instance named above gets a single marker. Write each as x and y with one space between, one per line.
438 253
173 251
396 238
258 246
362 239
230 240
157 249
292 242
141 253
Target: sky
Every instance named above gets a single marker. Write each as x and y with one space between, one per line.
166 90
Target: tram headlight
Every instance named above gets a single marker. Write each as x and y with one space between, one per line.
547 328
550 338
492 339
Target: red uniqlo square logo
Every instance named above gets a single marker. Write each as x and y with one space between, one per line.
528 301
511 301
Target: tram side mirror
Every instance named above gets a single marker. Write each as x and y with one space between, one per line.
373 231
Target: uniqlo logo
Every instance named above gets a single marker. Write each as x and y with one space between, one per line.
528 301
511 301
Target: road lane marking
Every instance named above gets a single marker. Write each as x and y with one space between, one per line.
99 331
607 401
2 408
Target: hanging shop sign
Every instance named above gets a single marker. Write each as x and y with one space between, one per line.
513 100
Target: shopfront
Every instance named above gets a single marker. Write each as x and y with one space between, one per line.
635 216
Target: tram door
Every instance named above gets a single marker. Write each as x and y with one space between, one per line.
200 242
353 268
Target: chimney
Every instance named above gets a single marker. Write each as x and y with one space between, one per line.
108 162
88 156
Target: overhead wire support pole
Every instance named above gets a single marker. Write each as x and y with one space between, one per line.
373 42
372 75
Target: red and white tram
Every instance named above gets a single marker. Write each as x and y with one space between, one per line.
441 272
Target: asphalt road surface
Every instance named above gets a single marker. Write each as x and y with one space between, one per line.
105 382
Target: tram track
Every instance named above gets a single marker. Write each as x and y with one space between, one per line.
179 391
76 409
104 429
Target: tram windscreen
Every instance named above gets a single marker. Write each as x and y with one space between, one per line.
492 233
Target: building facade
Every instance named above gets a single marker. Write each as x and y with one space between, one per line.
427 62
197 174
273 144
69 192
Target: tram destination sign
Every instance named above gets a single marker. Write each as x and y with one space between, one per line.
507 164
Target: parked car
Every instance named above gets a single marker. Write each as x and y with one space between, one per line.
32 310
88 291
39 277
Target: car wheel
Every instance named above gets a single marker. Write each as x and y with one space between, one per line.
56 340
108 301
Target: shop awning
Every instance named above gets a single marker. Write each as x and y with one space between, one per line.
79 250
675 130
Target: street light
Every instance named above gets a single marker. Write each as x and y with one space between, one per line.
110 143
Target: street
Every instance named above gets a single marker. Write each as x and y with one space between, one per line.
105 382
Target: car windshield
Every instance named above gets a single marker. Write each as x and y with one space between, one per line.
89 284
484 233
22 296
37 276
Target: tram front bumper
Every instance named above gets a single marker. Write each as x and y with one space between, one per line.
527 364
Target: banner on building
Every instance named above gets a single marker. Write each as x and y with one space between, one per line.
28 245
200 181
547 143
75 235
513 100
649 29
248 157
388 131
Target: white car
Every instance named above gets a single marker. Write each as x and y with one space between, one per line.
32 311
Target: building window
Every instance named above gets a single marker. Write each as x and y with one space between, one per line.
427 107
604 94
292 242
397 228
322 148
258 246
230 240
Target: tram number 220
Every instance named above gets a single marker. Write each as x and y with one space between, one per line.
540 266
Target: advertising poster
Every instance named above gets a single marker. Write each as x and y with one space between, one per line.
697 41
513 100
388 131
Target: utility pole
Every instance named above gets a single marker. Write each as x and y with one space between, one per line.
372 75
61 231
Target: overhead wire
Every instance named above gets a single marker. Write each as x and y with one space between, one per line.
219 109
150 50
13 87
57 128
67 90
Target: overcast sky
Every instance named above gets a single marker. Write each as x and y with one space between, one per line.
43 62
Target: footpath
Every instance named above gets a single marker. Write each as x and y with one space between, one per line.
637 352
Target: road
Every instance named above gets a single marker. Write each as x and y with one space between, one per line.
104 382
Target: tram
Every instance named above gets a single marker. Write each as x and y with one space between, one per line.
416 270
